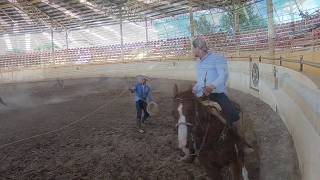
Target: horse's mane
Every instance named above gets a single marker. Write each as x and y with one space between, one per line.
203 111
188 94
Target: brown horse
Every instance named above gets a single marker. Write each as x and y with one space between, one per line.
204 135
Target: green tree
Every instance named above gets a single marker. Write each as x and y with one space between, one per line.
202 25
15 50
46 47
247 17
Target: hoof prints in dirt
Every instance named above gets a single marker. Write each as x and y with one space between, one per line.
105 145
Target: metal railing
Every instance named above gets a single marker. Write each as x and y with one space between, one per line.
301 61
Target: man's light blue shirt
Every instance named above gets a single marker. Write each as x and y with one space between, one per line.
142 92
214 69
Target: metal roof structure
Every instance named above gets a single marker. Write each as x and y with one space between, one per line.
32 16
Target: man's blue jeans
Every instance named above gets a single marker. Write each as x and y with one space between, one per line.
227 107
141 106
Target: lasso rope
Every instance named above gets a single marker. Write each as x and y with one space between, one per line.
66 126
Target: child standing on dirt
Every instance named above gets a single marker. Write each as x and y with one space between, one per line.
142 97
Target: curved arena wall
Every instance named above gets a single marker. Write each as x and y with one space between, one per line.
295 97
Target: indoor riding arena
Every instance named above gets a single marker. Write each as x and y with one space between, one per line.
70 73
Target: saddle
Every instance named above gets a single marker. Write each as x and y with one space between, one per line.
212 104
214 108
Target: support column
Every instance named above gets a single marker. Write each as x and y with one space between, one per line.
146 47
121 34
271 31
52 43
67 43
146 26
237 25
291 9
191 27
52 47
292 24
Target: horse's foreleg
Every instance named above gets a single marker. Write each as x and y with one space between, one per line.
235 171
245 173
239 171
212 169
183 145
186 153
214 172
183 139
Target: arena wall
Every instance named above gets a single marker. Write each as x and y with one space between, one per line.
293 95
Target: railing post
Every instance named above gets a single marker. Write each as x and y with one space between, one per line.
280 60
275 77
301 63
259 58
250 58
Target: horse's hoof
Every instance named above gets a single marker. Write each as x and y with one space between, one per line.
141 131
182 159
185 159
248 150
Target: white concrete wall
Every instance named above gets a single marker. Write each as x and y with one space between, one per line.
297 98
297 101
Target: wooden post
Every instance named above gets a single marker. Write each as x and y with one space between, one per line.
260 59
275 77
280 60
313 40
301 63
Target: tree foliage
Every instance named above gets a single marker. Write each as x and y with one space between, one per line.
202 25
247 17
46 47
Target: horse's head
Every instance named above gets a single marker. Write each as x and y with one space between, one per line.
184 113
183 104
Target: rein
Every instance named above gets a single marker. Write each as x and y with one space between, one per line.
197 150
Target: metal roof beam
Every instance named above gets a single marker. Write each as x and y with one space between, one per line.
36 14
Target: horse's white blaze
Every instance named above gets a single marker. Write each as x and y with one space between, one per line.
245 173
182 132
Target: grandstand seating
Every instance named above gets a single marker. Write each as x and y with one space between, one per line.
291 35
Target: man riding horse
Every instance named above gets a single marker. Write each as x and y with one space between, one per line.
208 122
212 75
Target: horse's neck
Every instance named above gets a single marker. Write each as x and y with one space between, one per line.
188 94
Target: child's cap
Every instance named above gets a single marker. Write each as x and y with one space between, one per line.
140 77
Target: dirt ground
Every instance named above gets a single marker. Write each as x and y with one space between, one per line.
86 129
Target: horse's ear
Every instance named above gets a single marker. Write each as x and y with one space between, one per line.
175 90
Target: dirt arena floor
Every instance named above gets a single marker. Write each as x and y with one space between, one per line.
86 129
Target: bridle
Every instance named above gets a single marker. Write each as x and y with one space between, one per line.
196 119
204 128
